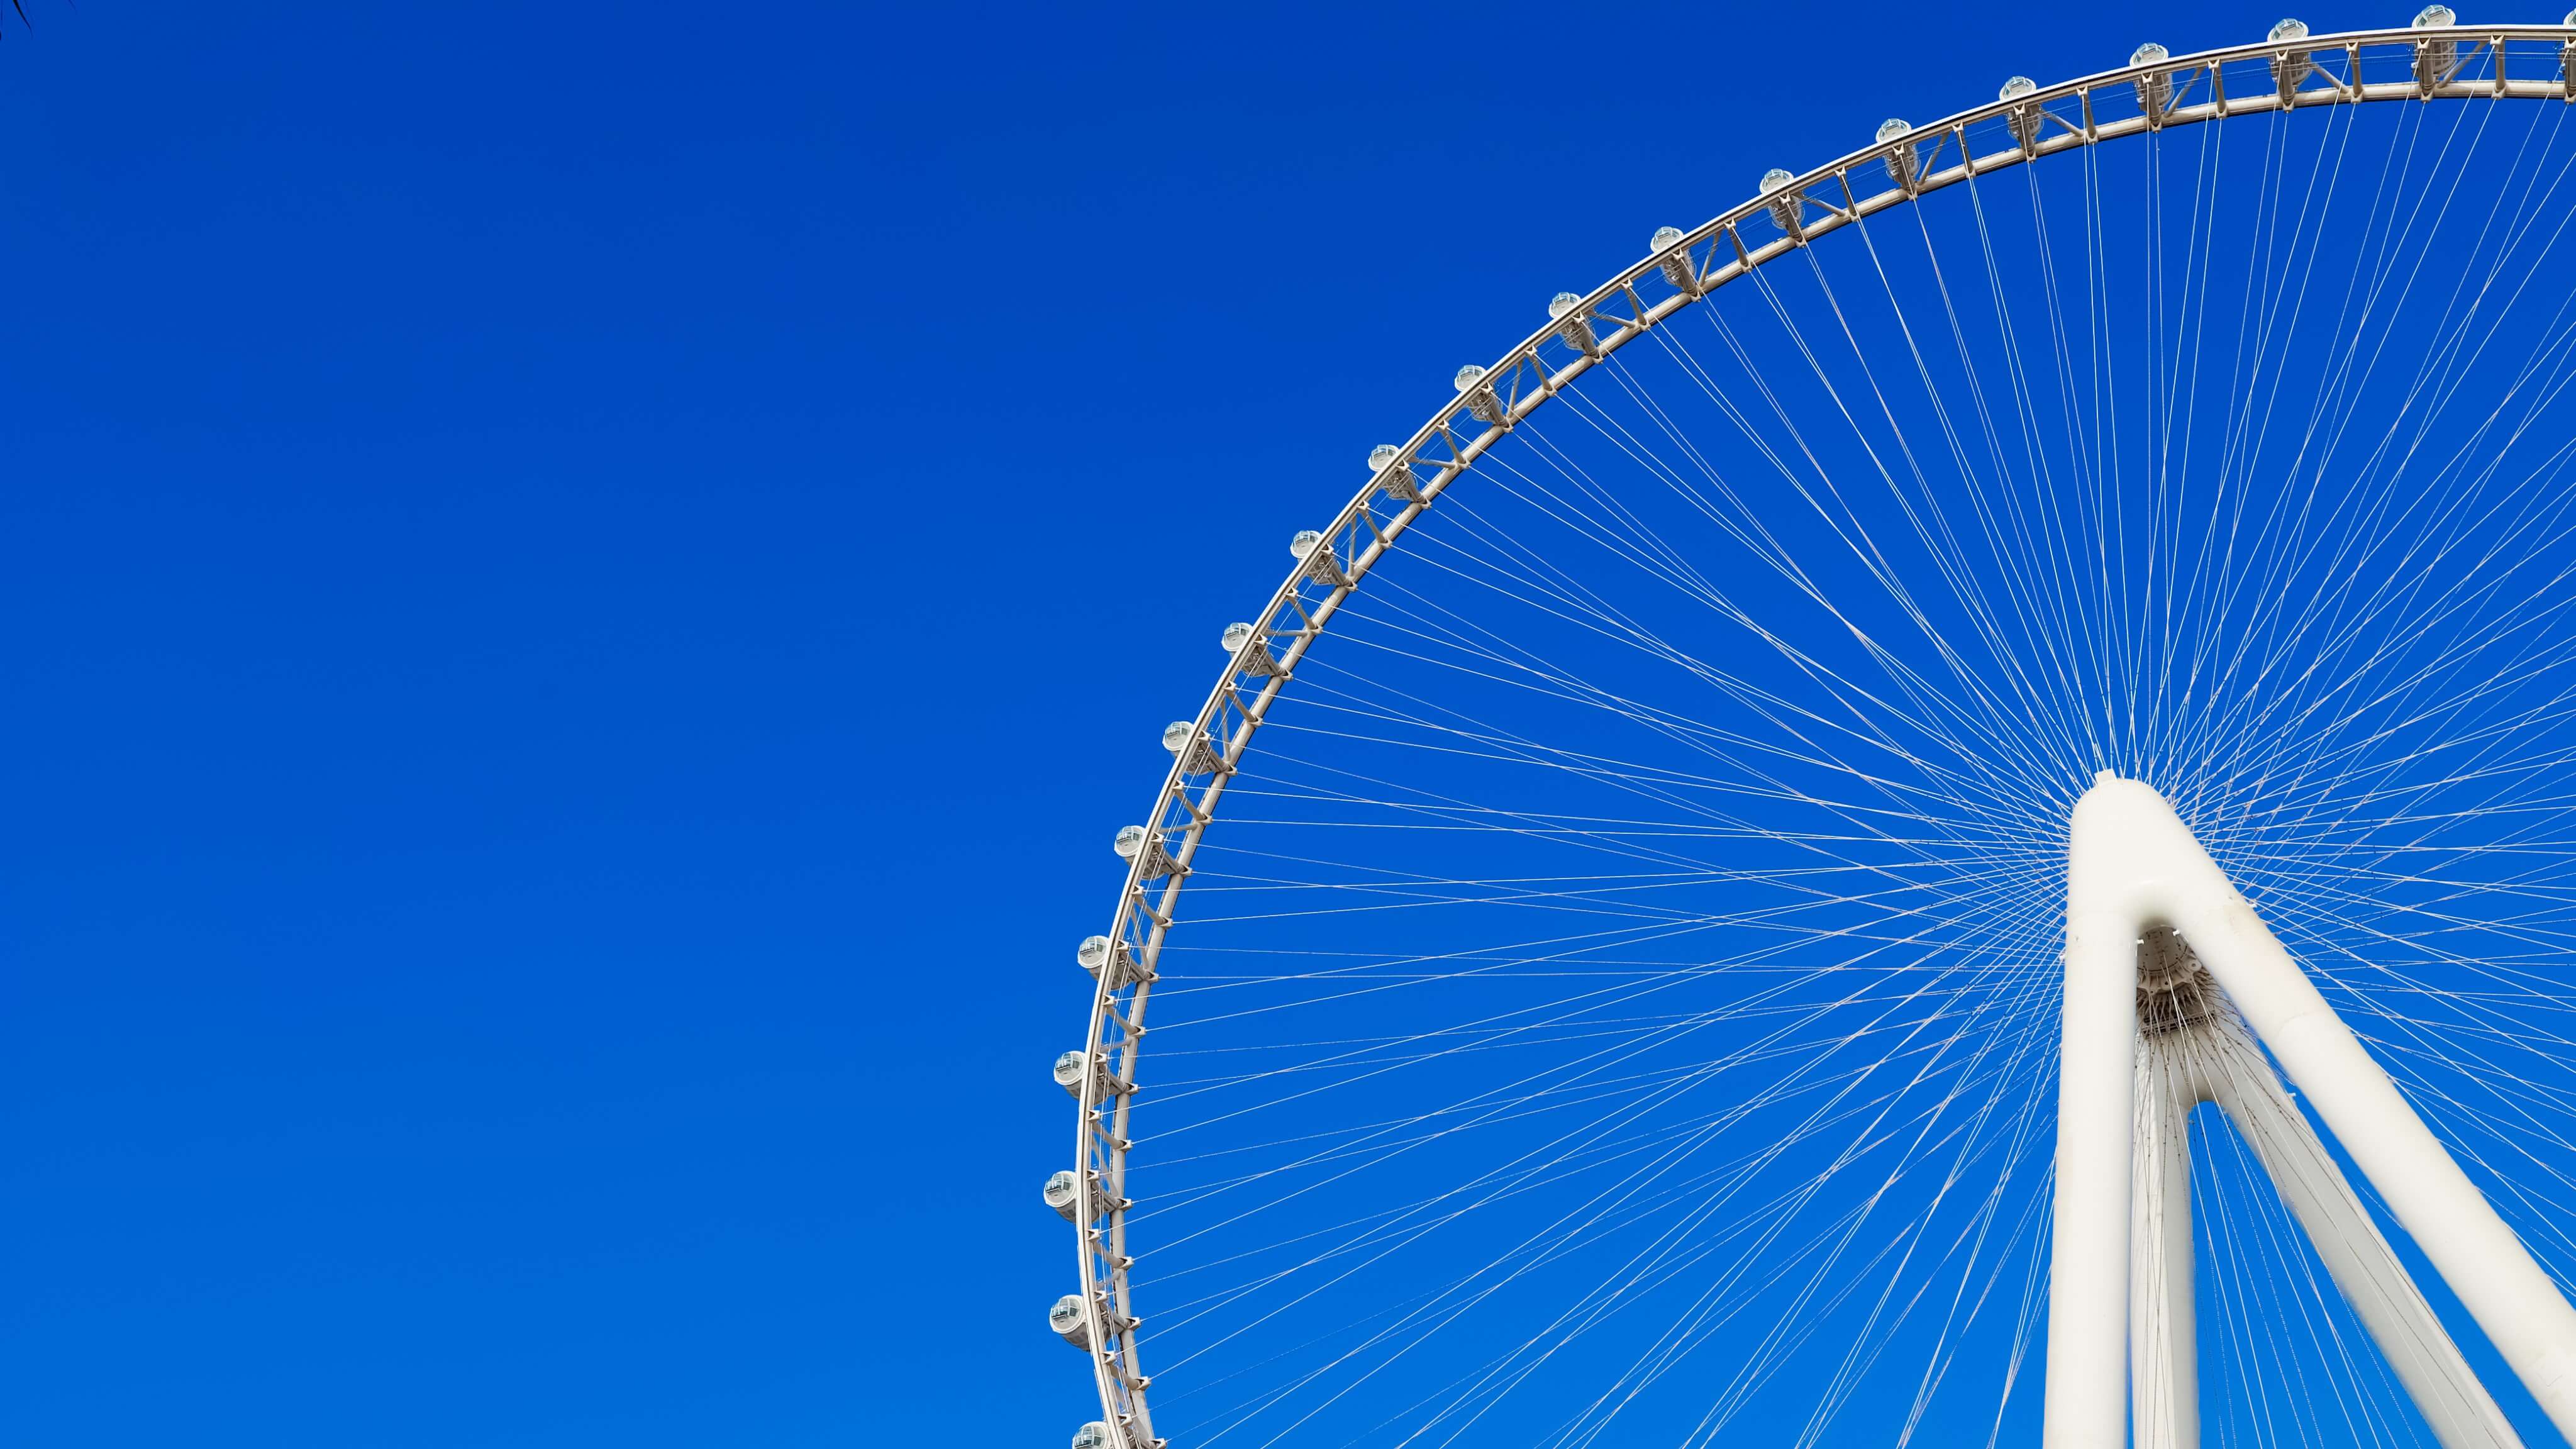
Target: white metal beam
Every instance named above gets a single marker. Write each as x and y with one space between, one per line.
2133 866
2164 1352
2456 1407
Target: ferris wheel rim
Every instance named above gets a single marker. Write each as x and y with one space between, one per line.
1108 1325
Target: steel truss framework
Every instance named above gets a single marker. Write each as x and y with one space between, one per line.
2028 122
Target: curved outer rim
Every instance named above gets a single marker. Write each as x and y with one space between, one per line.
2029 126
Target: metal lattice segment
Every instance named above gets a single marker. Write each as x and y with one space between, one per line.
2024 124
1252 650
1064 1193
1317 553
1394 472
1483 403
1145 848
1198 754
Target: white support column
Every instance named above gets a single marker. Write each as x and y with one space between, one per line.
2087 1404
2132 865
2458 1409
2164 1348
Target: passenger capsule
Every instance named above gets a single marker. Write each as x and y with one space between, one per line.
2291 66
1063 1192
1317 554
1245 641
2024 119
1068 1072
1136 843
1565 309
1094 1435
2155 88
1482 405
2435 59
1904 160
1066 1318
1677 266
1790 210
1102 953
1095 952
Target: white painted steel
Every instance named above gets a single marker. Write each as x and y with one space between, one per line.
2164 1351
2215 1061
2089 1256
2296 72
2132 865
2456 1407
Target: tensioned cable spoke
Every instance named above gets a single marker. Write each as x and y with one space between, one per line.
1615 997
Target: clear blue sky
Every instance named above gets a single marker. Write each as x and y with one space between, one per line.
588 584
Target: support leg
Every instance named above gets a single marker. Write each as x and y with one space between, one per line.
2456 1407
2133 866
2164 1352
2088 1269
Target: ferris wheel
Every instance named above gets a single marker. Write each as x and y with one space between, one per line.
1943 813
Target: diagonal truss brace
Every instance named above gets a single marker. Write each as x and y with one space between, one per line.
2134 869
